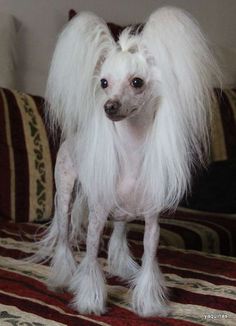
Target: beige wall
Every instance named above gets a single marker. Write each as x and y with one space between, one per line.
41 20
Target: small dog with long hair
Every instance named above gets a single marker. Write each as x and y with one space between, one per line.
134 118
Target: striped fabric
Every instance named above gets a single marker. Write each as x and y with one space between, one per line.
202 287
196 230
26 160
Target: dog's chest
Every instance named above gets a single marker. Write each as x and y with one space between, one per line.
128 193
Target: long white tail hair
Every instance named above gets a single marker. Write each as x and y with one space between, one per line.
181 62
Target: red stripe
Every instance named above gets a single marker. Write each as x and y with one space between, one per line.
204 300
21 160
5 171
199 262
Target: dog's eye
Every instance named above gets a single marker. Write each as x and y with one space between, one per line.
137 82
104 83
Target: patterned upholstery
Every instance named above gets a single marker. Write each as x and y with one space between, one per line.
27 158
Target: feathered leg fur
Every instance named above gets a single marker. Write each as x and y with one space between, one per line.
56 241
149 294
88 283
120 260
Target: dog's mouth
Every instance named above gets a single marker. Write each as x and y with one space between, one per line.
119 117
116 117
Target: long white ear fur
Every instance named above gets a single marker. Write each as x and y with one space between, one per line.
70 88
187 72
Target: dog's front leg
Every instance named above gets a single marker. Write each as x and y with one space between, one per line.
88 283
149 294
56 240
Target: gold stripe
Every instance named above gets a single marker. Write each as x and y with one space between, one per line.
34 174
47 160
11 157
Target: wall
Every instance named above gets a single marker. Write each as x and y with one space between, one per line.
41 20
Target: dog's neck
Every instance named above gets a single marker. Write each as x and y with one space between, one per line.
133 131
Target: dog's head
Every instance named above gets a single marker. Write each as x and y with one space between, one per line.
125 78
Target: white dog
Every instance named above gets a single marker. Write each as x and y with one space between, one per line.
134 120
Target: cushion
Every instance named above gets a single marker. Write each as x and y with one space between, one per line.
27 158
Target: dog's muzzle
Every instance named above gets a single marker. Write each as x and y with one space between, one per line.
111 108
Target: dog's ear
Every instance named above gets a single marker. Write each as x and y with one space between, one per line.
173 38
81 47
184 65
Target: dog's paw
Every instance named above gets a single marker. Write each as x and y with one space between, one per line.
148 305
91 303
89 289
149 293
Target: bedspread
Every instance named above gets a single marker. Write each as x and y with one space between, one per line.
202 286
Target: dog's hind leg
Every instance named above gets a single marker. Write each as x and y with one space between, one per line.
62 264
120 260
149 294
88 283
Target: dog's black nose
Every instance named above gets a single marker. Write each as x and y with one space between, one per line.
112 106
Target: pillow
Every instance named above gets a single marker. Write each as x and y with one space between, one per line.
7 50
27 158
